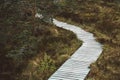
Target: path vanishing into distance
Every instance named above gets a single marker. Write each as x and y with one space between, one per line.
77 66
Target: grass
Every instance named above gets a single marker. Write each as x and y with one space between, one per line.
46 45
54 49
107 66
106 28
34 51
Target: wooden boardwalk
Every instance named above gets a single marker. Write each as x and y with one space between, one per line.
77 66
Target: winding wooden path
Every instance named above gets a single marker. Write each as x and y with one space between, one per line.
77 66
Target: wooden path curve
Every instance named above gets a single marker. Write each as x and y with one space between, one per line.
77 66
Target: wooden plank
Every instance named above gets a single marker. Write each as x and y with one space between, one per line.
67 75
77 66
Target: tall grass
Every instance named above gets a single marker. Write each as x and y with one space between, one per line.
103 19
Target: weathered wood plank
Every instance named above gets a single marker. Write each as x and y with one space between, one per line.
68 75
76 67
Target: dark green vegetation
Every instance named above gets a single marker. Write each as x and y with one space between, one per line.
101 17
31 48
